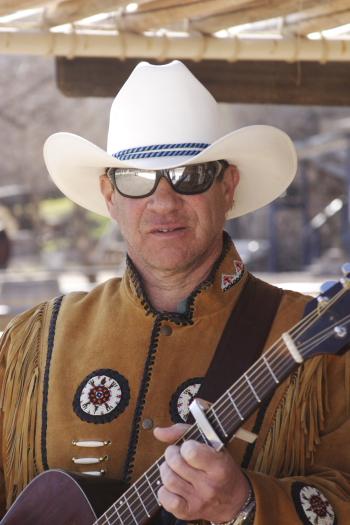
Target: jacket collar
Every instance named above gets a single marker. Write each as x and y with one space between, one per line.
222 285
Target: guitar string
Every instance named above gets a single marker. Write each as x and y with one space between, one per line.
274 352
320 335
305 348
145 502
312 314
134 512
303 322
134 516
124 513
295 332
242 409
189 434
224 417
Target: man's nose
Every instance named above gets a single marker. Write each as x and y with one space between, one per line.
164 197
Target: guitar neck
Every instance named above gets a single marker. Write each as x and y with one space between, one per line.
139 503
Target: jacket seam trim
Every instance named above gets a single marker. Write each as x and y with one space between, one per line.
50 345
141 400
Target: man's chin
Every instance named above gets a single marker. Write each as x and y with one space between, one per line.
169 262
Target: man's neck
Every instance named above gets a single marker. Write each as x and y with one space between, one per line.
166 290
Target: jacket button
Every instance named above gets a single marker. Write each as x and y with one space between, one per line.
165 329
147 423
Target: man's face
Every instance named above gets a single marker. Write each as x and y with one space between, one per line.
170 232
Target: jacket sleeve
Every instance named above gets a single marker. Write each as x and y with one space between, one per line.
318 493
19 369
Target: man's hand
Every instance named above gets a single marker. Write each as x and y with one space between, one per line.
198 482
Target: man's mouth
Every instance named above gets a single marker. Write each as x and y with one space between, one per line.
168 230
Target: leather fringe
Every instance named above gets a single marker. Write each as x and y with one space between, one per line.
19 355
298 422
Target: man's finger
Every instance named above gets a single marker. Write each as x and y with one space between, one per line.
172 502
173 482
170 434
202 457
179 466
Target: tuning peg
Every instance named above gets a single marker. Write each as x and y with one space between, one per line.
327 285
346 269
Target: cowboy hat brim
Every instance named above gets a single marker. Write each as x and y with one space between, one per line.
264 155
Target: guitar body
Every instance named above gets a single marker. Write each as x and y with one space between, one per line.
59 498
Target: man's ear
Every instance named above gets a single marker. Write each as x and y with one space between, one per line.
230 182
107 190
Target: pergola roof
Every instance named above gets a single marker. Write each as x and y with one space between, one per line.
313 30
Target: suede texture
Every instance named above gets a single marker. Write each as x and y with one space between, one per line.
114 327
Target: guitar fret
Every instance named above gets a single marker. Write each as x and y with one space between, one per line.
150 485
131 512
252 388
108 522
235 406
120 502
117 513
142 503
276 380
219 423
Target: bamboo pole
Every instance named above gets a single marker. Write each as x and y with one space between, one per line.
193 47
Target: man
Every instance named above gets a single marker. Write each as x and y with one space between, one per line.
94 382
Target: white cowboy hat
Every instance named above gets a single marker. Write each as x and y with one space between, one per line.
164 117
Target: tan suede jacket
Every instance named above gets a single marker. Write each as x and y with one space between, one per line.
105 367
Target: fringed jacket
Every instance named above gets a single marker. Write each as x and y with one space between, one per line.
85 378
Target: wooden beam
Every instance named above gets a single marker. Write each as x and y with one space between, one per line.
206 16
322 23
250 14
69 11
156 14
261 82
7 7
319 18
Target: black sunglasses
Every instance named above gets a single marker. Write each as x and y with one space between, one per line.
187 180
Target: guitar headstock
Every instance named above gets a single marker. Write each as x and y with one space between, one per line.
325 327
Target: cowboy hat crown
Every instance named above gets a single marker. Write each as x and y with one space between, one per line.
162 111
164 117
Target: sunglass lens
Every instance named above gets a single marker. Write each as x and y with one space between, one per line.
134 183
194 178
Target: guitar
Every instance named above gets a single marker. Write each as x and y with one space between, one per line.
60 498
